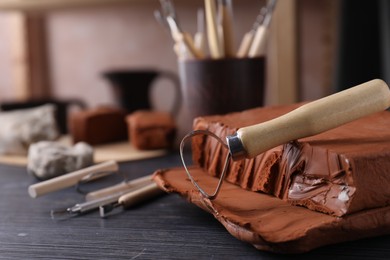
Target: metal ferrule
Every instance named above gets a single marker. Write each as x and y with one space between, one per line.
236 148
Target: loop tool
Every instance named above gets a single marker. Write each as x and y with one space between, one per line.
307 120
182 144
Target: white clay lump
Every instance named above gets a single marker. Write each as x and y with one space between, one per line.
47 159
20 128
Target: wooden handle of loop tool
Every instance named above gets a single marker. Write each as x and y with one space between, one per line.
315 117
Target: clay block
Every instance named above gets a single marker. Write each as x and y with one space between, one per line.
269 223
340 177
150 130
98 125
339 172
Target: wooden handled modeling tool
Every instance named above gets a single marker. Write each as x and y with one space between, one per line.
245 44
258 46
259 42
226 16
310 119
199 38
70 179
212 29
184 38
135 191
247 40
120 187
132 198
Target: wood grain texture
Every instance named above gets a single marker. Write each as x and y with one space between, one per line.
166 228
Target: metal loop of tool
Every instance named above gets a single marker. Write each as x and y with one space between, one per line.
182 144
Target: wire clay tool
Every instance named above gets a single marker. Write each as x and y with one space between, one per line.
121 187
184 44
258 44
130 199
246 41
84 207
308 120
216 22
110 196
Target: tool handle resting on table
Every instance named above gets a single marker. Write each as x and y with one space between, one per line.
311 119
69 179
120 187
142 194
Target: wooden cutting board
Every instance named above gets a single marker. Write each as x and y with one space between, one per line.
119 151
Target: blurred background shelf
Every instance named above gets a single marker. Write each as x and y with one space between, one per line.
40 64
55 48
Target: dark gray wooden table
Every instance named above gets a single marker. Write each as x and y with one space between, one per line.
165 228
